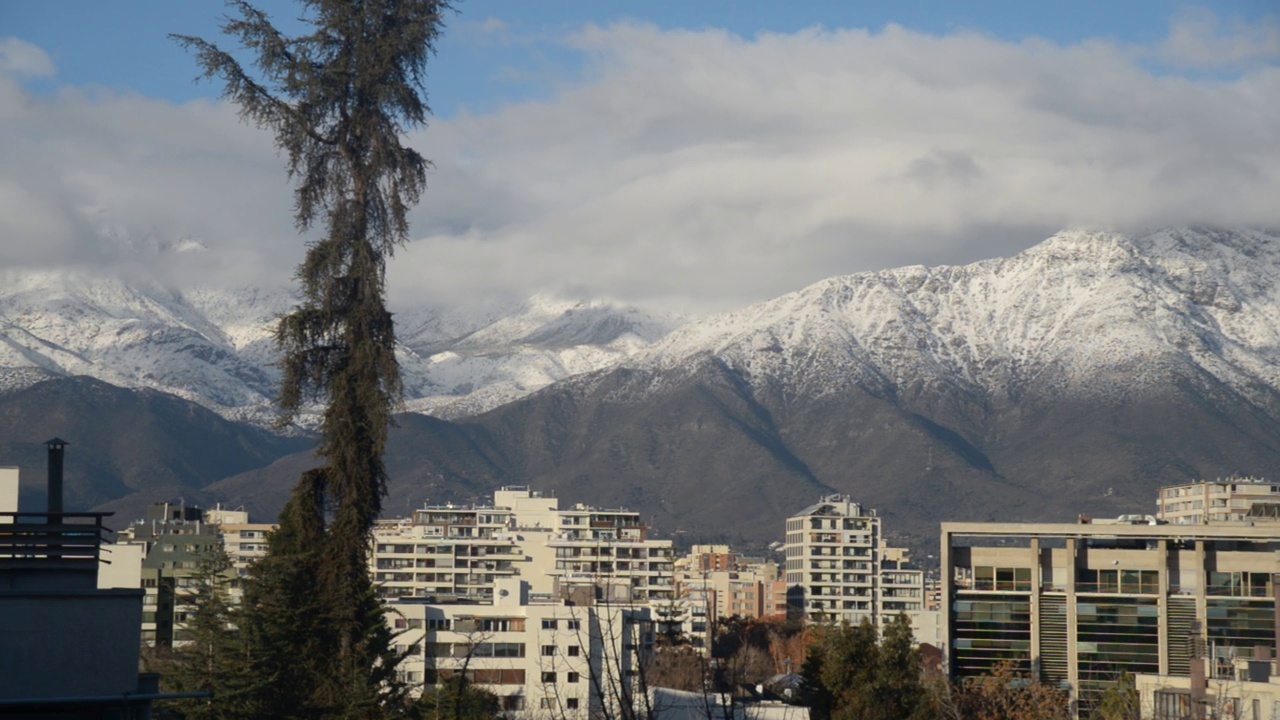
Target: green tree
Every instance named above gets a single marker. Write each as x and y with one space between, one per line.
898 686
215 656
338 99
853 674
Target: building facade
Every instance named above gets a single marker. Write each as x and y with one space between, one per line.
1076 604
1213 501
165 553
541 657
464 551
840 569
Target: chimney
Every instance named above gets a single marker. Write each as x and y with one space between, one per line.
56 447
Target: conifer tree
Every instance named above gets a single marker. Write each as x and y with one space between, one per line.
338 99
214 655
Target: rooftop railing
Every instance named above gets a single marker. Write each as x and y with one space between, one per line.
51 541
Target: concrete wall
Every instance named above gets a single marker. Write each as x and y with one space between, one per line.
61 644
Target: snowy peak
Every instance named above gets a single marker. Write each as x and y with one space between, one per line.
215 346
139 334
534 344
1084 313
1063 316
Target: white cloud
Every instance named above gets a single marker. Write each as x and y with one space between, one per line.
21 58
701 168
1196 40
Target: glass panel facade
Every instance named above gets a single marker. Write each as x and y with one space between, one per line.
990 629
1112 636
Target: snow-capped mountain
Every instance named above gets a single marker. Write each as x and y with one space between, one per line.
1075 377
214 346
1080 314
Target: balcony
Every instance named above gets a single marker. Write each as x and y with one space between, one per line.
51 541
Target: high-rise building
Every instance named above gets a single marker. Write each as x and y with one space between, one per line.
840 568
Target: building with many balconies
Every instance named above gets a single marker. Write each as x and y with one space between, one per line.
1211 501
840 569
463 551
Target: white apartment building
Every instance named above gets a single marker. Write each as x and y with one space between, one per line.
542 659
245 542
839 568
464 551
1212 501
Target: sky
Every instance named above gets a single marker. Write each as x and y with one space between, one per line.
680 155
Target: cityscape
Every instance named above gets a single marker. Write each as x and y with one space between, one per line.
634 360
535 602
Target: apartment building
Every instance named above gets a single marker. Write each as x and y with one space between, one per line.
1234 499
465 551
840 569
245 542
1077 603
710 558
542 657
447 550
164 552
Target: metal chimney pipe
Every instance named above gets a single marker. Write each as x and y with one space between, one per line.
56 446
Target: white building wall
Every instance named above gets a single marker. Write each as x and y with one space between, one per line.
541 660
8 492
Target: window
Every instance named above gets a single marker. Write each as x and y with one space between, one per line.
572 624
1003 579
574 651
548 677
548 650
439 623
548 624
572 678
1108 580
572 703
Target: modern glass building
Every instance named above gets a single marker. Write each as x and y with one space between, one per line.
1077 604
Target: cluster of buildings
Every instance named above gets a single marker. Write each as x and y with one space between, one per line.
540 604
554 609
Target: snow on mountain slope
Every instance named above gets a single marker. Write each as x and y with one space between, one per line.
1071 315
531 346
1081 314
132 334
215 346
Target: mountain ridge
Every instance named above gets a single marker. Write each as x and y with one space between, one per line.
1074 377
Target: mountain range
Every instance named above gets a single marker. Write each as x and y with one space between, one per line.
1075 377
